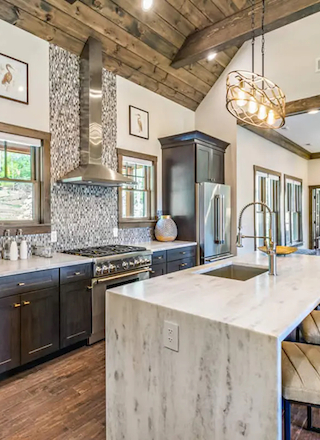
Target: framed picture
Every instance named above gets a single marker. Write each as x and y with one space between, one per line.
14 79
138 122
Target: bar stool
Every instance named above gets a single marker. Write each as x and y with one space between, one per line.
300 381
310 328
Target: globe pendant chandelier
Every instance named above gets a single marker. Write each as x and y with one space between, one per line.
253 98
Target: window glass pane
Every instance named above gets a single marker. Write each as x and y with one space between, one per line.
16 201
19 162
2 170
134 204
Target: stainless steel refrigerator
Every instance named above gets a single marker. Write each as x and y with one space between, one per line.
214 221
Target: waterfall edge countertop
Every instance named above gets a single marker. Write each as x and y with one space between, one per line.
35 264
157 246
224 380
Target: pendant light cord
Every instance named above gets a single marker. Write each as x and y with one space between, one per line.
253 31
262 35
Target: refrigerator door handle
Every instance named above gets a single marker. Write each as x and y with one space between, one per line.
219 220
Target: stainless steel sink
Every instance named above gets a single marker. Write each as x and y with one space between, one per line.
236 272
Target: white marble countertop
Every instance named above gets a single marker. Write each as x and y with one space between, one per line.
34 264
264 304
156 246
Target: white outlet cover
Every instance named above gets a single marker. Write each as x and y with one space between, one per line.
171 335
54 237
115 232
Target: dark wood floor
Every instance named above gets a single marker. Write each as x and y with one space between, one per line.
64 399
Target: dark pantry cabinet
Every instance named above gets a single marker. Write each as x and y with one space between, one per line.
39 315
188 159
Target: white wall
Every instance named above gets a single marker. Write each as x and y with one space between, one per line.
166 118
254 150
26 47
314 172
290 62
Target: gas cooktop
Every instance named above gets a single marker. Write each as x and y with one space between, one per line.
105 251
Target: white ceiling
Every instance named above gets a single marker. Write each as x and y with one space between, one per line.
303 130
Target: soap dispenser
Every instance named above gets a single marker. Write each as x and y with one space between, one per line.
23 246
14 250
6 245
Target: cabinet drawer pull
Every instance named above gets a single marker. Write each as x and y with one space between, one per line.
183 264
159 258
183 253
26 303
77 273
153 272
21 284
16 305
89 287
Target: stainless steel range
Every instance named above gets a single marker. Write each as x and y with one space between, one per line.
114 265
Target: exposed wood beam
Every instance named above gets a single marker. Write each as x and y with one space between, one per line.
236 29
302 105
277 138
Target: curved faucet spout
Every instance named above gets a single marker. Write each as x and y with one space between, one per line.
271 247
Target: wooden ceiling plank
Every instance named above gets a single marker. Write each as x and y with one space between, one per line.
212 66
227 7
234 30
173 17
191 13
223 59
154 21
76 29
201 72
101 24
209 9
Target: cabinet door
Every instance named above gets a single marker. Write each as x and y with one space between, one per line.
10 333
204 158
39 324
75 313
158 270
217 167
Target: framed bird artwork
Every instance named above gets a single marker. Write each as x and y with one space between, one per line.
14 79
138 122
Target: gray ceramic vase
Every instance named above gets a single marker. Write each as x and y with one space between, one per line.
166 229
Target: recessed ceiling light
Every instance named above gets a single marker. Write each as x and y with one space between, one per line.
211 56
313 112
147 4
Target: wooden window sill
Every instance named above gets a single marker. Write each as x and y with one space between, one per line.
28 229
126 224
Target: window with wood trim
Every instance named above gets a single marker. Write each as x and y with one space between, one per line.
267 190
137 203
293 210
24 180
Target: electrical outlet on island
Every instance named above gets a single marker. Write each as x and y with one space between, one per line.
171 336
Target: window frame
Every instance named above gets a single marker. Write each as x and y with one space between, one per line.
296 179
43 208
125 222
257 169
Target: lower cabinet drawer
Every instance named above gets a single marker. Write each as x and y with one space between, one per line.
158 269
181 253
76 273
159 257
186 263
28 282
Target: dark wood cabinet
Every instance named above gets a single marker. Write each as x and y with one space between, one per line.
39 324
158 270
10 333
173 260
188 159
175 266
75 312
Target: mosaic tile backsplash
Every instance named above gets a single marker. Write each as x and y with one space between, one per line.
81 215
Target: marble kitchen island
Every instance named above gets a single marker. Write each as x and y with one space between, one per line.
224 383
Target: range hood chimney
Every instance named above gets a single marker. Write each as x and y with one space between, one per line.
91 170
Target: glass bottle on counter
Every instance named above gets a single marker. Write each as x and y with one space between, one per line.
6 245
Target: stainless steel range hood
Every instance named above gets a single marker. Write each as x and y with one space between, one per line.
91 170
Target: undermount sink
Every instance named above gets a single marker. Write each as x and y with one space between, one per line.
236 272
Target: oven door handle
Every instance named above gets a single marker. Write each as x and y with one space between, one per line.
123 275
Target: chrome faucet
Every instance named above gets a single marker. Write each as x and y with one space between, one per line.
268 240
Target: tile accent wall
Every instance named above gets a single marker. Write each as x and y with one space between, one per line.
81 215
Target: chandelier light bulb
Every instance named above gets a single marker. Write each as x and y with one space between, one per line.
147 4
262 113
253 106
271 119
241 98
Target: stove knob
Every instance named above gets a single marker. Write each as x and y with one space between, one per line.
112 267
136 262
98 270
105 269
125 265
131 263
147 261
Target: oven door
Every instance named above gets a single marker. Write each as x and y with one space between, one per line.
99 287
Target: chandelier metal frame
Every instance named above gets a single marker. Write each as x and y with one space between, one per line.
253 98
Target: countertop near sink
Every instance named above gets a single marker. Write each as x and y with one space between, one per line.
156 246
35 264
